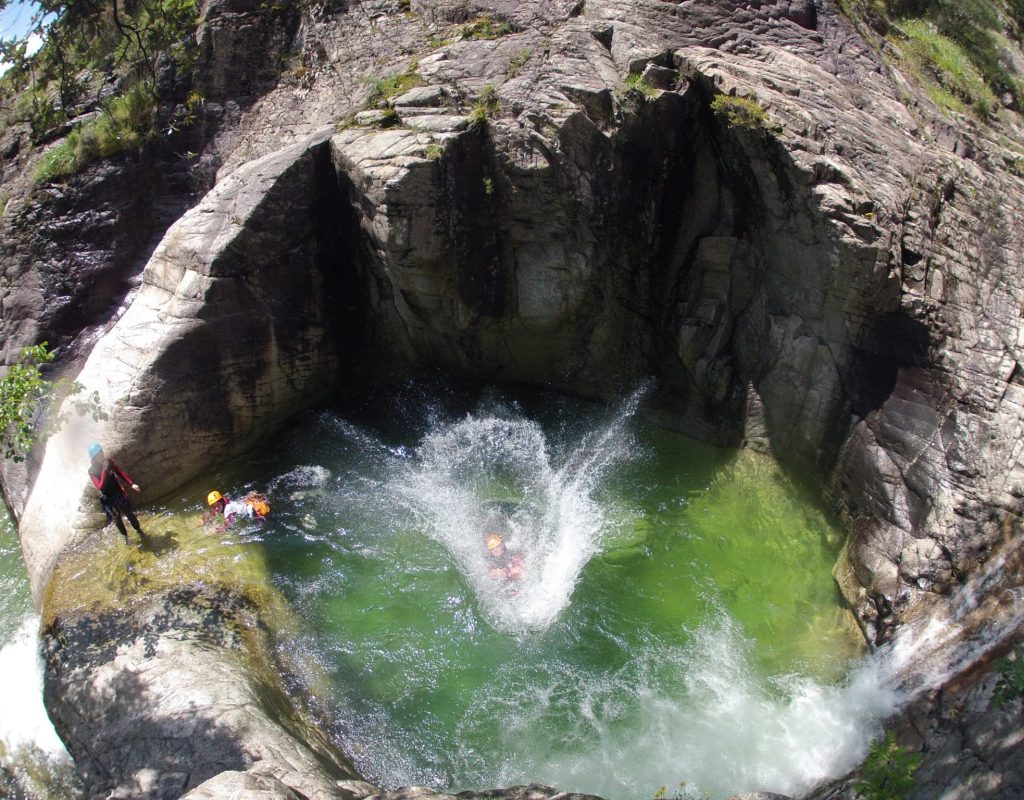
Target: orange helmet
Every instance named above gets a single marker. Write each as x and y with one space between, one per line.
493 540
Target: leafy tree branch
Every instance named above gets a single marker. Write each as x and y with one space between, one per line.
25 393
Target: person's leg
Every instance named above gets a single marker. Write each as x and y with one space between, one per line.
132 518
116 514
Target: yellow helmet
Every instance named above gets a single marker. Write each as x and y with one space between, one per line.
492 541
213 497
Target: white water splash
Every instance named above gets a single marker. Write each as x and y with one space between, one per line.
489 474
23 719
714 721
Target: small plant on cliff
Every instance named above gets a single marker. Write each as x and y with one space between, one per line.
517 61
1010 684
635 82
392 85
682 793
485 27
487 105
24 392
888 771
740 112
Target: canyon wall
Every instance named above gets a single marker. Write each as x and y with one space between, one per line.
839 284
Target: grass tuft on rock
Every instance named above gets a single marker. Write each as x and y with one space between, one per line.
740 112
486 106
124 123
635 82
393 85
485 26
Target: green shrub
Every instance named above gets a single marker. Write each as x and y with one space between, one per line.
23 393
1010 684
485 27
984 33
635 82
888 771
87 45
740 112
944 68
124 123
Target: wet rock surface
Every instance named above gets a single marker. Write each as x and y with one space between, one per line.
841 287
159 690
968 748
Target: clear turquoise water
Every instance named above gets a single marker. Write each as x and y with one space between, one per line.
677 620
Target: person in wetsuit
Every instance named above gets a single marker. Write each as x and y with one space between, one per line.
112 482
501 564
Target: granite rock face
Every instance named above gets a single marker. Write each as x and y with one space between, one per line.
840 286
163 697
257 266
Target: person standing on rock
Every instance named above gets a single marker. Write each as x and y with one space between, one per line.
113 483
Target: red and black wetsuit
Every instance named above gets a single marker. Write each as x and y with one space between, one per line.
108 478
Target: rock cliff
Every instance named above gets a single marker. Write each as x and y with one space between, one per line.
557 201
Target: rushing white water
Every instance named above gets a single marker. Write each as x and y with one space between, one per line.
724 729
30 751
23 719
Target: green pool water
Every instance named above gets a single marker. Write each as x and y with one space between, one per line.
676 621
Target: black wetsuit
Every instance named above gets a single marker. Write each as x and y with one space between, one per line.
113 497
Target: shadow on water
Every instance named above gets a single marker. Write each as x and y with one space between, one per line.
159 544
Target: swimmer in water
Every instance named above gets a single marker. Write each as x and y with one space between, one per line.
502 564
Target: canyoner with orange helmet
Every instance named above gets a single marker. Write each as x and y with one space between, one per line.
501 563
253 506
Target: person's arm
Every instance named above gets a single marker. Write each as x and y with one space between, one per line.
97 480
123 475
